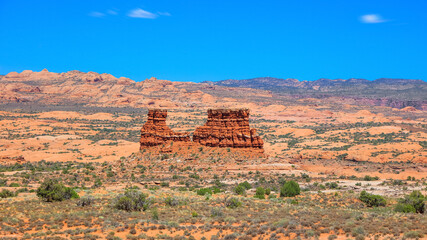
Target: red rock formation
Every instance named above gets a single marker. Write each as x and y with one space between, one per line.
156 132
228 128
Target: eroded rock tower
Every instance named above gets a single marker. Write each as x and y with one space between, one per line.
156 132
228 128
224 128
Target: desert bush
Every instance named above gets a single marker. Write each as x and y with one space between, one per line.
7 193
331 185
358 231
240 190
131 200
85 201
232 203
216 212
204 191
404 208
246 185
372 200
172 201
414 201
267 191
290 189
260 193
413 234
52 190
369 178
97 183
155 214
216 189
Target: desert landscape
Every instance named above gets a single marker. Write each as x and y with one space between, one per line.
158 159
213 120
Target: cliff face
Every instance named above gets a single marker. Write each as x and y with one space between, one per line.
228 128
156 132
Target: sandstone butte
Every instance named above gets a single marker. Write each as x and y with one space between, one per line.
224 128
156 132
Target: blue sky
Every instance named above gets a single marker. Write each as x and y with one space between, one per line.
198 40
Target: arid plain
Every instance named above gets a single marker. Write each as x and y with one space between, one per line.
84 129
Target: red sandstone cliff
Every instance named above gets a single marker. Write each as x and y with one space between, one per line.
156 132
228 128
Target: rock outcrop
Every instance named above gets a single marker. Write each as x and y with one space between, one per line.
156 132
224 128
228 128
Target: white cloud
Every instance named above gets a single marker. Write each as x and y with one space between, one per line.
139 13
112 12
96 14
372 18
164 14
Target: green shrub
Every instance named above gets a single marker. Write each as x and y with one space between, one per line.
172 201
233 203
372 200
239 189
331 185
416 199
413 234
204 191
267 191
85 201
216 189
369 178
260 193
246 185
7 193
14 185
131 200
155 214
216 212
404 208
52 190
290 189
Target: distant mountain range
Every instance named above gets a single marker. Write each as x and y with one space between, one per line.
403 89
390 92
408 89
75 88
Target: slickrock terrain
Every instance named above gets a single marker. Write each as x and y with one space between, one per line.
228 128
156 132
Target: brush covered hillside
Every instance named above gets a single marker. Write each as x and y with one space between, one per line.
397 93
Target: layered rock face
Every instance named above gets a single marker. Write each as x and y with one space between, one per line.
228 128
224 128
156 132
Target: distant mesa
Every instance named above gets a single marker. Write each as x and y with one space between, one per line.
224 128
